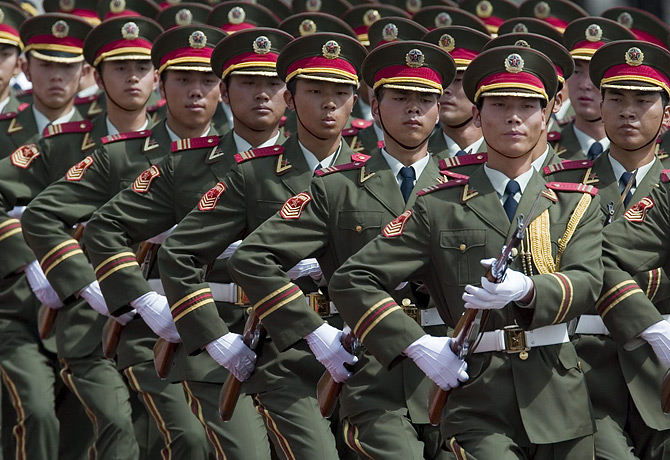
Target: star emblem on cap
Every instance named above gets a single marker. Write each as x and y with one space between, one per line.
236 15
183 17
625 19
60 29
313 6
522 44
447 43
520 28
634 56
307 27
262 45
66 5
130 31
117 6
542 10
443 19
415 58
484 9
413 5
371 16
390 32
197 39
593 33
331 49
514 63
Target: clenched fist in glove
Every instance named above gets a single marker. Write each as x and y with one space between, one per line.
514 287
434 357
231 352
41 286
326 343
658 336
155 311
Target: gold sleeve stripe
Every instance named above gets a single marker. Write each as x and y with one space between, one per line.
272 294
618 297
53 265
369 312
9 222
654 281
190 296
608 293
291 298
57 248
383 314
110 259
566 300
10 232
194 306
116 269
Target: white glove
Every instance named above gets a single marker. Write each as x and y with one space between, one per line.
514 286
434 357
158 239
230 249
326 343
231 352
658 336
93 296
305 267
41 287
125 318
155 311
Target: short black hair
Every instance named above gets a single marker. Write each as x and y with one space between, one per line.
4 46
291 86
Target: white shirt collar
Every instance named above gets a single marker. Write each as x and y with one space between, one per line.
175 138
396 165
537 164
90 91
618 170
499 181
3 104
453 148
585 141
313 162
242 145
42 121
111 129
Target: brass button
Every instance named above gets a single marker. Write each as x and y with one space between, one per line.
579 365
462 247
523 355
515 252
406 302
359 229
249 310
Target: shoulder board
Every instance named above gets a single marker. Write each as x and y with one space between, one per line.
158 105
665 175
338 168
125 136
572 187
282 121
349 132
566 166
454 175
463 160
194 143
360 157
553 136
84 126
23 106
8 115
270 151
361 123
24 92
86 100
380 144
565 121
448 184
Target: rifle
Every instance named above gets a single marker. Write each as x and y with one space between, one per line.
46 317
328 390
111 332
254 333
469 325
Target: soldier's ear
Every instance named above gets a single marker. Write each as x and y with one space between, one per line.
224 92
25 68
666 115
374 109
288 97
98 79
558 102
161 88
476 117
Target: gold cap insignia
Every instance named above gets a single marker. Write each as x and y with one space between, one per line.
520 28
634 56
522 44
484 9
390 32
625 19
593 33
413 5
447 43
60 29
236 15
542 10
371 16
415 58
117 6
313 6
197 39
130 31
331 50
443 19
183 17
66 5
514 63
307 27
262 45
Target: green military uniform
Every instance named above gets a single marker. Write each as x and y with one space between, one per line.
283 384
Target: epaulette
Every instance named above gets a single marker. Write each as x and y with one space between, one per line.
360 157
553 136
665 175
23 106
448 184
564 121
282 121
156 106
463 160
380 144
270 151
567 165
194 143
349 132
345 167
8 115
454 175
84 126
126 136
361 123
572 187
85 100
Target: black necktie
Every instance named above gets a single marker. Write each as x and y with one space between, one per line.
461 153
594 151
510 205
623 182
408 175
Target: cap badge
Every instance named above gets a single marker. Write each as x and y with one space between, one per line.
236 15
594 33
390 32
331 49
413 5
307 27
520 28
60 29
117 6
2 16
443 19
634 57
415 58
66 5
484 9
625 19
183 17
522 44
514 63
447 43
130 31
262 45
371 16
313 6
542 10
197 39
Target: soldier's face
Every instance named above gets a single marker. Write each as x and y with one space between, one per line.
256 101
9 67
191 97
632 119
409 116
54 83
455 108
322 107
128 83
584 96
511 125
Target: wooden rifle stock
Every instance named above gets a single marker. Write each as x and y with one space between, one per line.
46 317
254 332
328 390
164 353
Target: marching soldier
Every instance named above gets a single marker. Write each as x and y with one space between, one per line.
524 364
321 71
344 208
10 49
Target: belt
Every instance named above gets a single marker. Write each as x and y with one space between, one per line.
594 325
424 318
513 339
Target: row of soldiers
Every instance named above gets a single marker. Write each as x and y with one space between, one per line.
254 192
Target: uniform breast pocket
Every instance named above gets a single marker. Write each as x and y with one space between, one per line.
462 251
359 227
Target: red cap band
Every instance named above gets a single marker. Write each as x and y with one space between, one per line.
403 71
637 73
51 40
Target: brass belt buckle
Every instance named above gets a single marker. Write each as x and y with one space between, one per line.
319 304
515 339
242 298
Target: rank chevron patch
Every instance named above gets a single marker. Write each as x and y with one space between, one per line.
24 155
293 207
397 225
209 199
638 212
143 181
76 172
